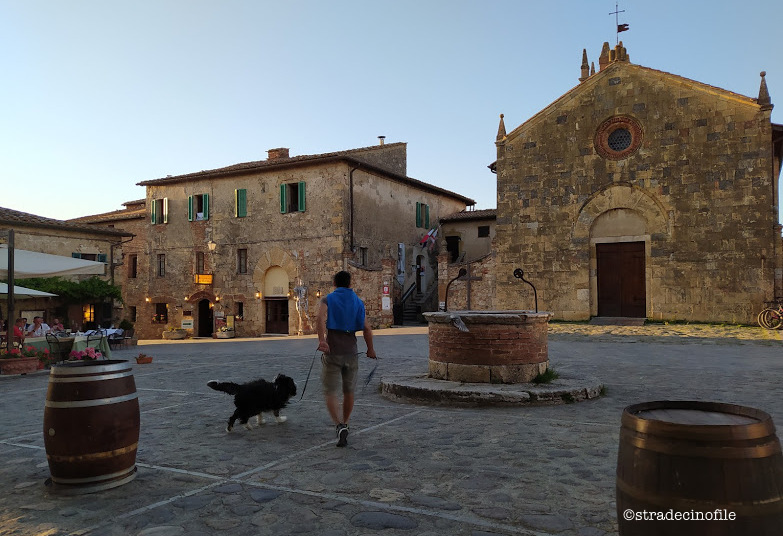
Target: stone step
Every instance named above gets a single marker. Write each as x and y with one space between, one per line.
617 321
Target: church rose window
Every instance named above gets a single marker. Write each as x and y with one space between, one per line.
618 137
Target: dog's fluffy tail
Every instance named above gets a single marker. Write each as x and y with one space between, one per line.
227 387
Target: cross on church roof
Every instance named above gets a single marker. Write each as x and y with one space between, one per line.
620 27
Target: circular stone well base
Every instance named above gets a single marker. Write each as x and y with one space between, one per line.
425 390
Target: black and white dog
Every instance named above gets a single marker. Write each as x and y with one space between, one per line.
255 397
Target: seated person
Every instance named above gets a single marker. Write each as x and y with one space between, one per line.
57 326
19 331
38 328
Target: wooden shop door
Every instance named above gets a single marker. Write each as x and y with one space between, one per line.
277 315
621 283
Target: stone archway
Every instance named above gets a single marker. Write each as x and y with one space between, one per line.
618 224
273 273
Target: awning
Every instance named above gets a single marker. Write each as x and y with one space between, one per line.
34 264
23 292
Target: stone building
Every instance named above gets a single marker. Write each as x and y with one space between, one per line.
469 239
258 243
70 239
640 193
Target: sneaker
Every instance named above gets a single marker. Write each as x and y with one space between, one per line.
342 435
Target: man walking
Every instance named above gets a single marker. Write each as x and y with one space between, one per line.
340 315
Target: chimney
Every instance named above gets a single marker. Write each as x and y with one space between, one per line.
277 154
381 138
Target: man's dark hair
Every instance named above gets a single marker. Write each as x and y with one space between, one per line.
342 279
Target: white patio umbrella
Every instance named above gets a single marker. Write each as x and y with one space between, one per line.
24 292
35 264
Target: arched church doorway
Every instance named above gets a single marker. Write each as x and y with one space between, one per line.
620 250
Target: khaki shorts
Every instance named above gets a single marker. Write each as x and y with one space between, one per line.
339 370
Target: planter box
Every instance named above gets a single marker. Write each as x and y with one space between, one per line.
19 365
175 335
144 360
224 334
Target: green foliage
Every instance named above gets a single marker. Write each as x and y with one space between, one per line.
93 289
547 377
126 324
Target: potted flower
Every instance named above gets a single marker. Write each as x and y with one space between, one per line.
175 333
225 333
143 359
23 360
88 354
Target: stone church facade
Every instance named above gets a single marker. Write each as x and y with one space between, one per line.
640 193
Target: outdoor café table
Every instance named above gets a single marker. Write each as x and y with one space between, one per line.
78 343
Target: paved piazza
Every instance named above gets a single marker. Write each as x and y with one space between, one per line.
408 469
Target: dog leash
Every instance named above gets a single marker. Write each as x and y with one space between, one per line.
371 374
308 375
366 382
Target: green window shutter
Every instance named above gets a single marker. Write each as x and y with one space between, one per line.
165 210
282 199
153 218
301 196
418 214
241 203
76 255
206 206
427 216
190 208
101 257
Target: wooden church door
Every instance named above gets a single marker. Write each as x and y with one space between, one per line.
621 282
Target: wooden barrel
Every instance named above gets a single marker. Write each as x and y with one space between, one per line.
91 426
719 466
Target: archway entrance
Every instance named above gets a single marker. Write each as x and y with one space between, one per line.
204 319
276 288
419 272
621 282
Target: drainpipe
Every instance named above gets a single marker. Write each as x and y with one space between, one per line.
350 207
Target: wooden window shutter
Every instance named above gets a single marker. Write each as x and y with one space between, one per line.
282 199
301 196
101 257
240 210
153 215
190 208
165 210
427 216
418 214
206 206
76 255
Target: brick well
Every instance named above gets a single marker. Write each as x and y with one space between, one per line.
500 346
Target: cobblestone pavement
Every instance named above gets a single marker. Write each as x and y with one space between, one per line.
408 469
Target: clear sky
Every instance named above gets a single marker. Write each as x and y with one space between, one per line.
98 95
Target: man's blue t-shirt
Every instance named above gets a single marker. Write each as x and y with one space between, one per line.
346 311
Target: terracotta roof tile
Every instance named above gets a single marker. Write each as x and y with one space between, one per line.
467 215
15 218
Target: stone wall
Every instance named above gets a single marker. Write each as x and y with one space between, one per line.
482 292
